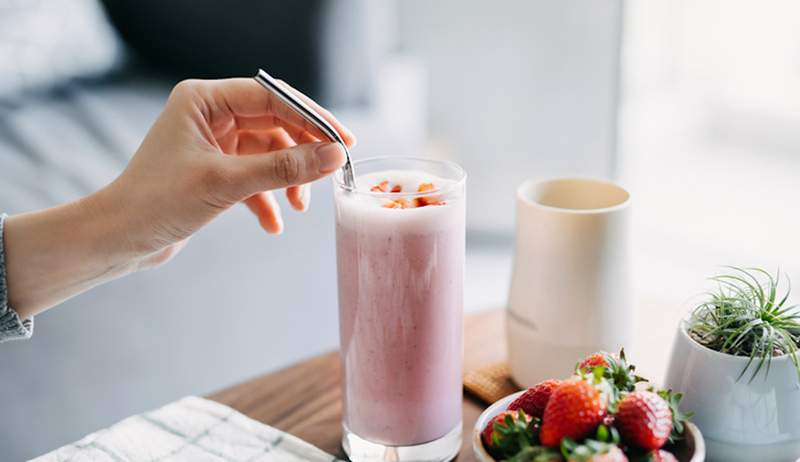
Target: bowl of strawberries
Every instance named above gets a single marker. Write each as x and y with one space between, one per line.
603 413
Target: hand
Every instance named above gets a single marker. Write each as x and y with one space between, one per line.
216 143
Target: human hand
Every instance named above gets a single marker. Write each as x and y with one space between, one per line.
219 142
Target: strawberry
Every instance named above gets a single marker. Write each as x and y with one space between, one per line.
612 454
615 369
594 360
397 188
661 455
501 432
592 451
574 410
679 419
644 419
534 400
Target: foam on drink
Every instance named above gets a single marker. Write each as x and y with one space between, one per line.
366 206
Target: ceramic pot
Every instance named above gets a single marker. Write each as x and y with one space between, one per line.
742 420
569 288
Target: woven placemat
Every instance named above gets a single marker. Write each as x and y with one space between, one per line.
490 383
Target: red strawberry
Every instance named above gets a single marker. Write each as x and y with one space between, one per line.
574 410
614 454
489 435
594 360
662 456
644 419
534 400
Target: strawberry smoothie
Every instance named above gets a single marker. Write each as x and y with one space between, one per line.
400 259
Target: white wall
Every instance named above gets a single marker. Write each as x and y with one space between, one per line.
518 89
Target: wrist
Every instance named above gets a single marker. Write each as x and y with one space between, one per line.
56 253
106 231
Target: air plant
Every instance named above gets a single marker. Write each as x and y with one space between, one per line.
746 316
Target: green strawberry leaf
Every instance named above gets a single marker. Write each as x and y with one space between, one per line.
512 436
535 454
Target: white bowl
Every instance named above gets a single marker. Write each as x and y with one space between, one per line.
690 449
487 415
741 420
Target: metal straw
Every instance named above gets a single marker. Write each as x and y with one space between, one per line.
312 116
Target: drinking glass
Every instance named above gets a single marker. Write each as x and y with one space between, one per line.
400 275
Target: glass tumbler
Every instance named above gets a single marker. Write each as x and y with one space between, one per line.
400 265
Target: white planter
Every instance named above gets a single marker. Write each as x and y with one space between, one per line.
569 288
741 420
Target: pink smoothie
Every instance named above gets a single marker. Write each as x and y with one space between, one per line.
400 307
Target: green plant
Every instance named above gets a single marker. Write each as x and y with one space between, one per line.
746 316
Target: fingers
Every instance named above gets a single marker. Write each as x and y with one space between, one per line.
259 142
299 197
266 209
348 136
252 142
255 107
285 167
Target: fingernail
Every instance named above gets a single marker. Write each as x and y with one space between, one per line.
351 135
305 195
331 157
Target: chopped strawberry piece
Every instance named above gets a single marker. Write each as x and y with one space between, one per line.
382 187
427 200
426 187
396 204
397 188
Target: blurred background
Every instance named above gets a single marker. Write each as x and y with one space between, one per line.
694 106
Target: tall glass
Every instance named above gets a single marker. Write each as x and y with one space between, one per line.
401 271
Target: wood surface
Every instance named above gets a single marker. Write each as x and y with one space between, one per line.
305 399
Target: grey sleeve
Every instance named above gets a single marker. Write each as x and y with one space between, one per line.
11 326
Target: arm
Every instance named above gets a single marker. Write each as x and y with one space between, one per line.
215 144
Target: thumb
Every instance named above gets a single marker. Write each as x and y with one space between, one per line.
296 165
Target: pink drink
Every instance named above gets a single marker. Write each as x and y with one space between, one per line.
400 307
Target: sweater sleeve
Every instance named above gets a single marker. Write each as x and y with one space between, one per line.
11 326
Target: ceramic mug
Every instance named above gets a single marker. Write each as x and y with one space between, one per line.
742 420
569 288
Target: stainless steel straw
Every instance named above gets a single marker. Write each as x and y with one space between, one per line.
310 115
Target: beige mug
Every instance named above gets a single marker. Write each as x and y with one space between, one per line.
569 288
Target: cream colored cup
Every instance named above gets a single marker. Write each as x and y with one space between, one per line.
569 288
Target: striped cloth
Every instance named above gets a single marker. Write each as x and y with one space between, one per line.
191 429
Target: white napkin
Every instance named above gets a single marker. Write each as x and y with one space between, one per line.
193 429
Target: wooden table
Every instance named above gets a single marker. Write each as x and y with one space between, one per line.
305 399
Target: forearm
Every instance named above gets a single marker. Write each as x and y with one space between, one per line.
54 254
